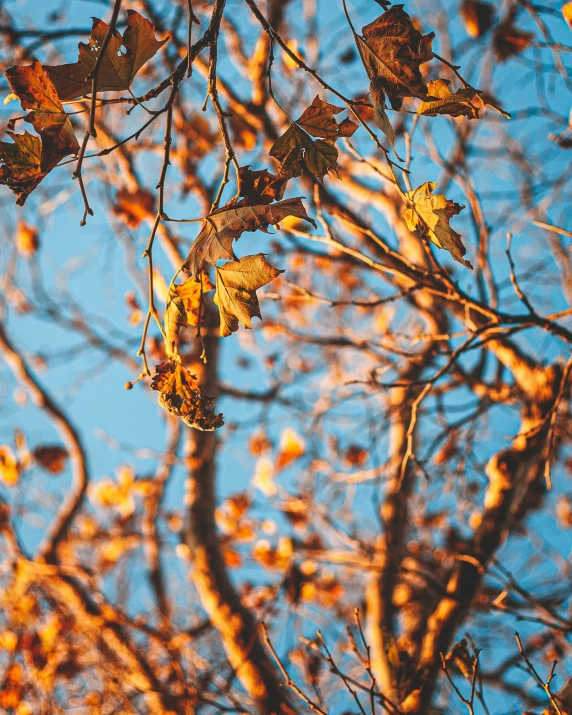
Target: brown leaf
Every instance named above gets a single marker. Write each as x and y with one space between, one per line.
236 286
118 69
182 306
392 51
36 92
51 457
181 396
20 164
347 128
214 242
133 207
477 16
318 119
260 187
296 149
25 163
377 95
509 41
431 213
443 101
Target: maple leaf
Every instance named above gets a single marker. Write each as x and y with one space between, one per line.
182 306
20 164
181 396
118 69
29 159
236 286
222 227
392 51
37 93
443 101
431 213
478 17
296 150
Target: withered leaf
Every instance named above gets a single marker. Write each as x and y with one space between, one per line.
260 187
182 306
392 51
51 457
347 128
37 93
431 214
381 119
133 207
20 164
478 17
236 286
508 40
214 242
118 69
180 395
26 163
443 101
318 119
296 150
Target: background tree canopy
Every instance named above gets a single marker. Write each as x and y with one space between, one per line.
351 505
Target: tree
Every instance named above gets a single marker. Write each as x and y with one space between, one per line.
352 507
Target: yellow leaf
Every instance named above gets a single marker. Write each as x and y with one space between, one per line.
431 213
263 478
9 472
8 641
236 286
567 13
292 446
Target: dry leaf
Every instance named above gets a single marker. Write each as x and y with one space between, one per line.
392 51
20 164
261 186
221 228
51 457
431 213
133 207
509 41
296 150
183 305
26 162
236 286
478 17
181 396
37 93
443 101
118 69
